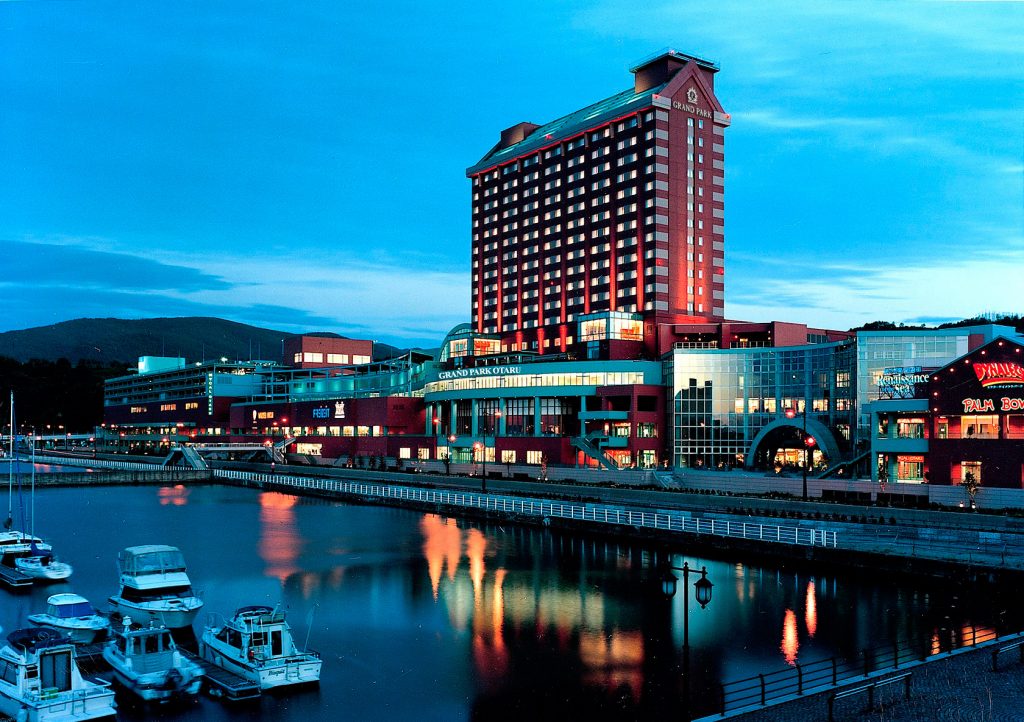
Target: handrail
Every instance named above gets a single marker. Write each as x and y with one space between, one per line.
596 513
824 674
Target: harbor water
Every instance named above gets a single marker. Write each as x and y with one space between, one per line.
427 617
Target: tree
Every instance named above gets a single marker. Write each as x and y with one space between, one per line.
970 485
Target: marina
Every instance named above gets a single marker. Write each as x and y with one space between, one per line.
475 619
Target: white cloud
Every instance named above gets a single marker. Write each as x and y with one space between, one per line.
841 297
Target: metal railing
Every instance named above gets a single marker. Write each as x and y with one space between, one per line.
821 675
100 463
547 509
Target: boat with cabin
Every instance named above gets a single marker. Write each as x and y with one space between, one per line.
257 644
146 661
40 680
73 616
155 587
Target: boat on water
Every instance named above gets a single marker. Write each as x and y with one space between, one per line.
73 616
40 680
42 566
26 552
147 662
155 587
257 644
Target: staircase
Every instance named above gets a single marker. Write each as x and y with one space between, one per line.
186 454
593 445
848 464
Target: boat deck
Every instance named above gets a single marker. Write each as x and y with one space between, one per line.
220 682
227 683
13 578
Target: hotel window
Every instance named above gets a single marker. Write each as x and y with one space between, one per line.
910 429
970 467
310 357
979 427
534 457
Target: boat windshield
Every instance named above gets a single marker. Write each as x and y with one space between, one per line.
158 561
78 609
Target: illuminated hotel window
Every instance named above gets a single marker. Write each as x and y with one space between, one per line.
534 457
311 357
405 453
910 428
979 427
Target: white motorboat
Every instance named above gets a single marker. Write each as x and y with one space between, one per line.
155 587
257 644
73 616
31 556
40 680
147 662
15 544
42 566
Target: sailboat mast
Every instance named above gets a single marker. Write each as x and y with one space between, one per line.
10 471
33 528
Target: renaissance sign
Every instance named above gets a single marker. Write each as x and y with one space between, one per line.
479 372
902 382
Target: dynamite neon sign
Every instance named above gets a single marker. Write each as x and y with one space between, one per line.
997 373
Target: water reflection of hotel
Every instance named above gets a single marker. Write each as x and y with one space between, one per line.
493 602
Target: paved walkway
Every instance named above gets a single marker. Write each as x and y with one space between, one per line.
958 688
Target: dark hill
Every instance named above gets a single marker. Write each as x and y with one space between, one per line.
107 340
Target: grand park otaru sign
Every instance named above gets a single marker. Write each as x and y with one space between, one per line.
478 372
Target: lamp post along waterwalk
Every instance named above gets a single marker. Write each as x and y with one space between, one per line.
702 593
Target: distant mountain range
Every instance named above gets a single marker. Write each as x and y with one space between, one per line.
116 340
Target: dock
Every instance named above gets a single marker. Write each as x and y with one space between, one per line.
222 683
14 579
219 682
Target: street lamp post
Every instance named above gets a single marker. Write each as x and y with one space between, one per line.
702 593
483 449
809 443
448 459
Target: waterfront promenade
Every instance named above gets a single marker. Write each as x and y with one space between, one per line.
960 687
925 540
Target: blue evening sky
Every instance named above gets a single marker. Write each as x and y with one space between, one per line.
301 165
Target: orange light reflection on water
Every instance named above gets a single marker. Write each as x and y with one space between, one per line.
790 643
176 495
442 542
613 660
279 543
811 611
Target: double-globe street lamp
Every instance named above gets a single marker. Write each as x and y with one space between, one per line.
809 443
702 593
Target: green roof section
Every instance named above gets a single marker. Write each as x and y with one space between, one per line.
569 125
